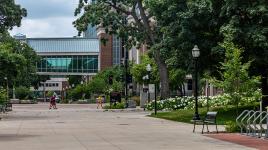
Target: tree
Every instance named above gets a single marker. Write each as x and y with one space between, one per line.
139 70
130 20
177 80
11 64
247 26
10 15
26 73
186 23
235 79
74 80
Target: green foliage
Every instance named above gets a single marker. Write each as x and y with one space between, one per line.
188 102
74 80
78 92
10 14
235 78
176 78
117 106
23 93
114 18
139 70
18 62
3 96
97 85
10 64
226 113
231 126
49 93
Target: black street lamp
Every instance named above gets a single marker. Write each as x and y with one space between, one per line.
196 54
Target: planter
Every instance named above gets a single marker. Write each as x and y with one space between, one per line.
14 101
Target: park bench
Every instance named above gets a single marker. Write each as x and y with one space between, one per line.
210 119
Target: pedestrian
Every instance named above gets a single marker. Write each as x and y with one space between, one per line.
53 102
99 102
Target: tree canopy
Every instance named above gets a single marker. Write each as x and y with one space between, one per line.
10 14
130 20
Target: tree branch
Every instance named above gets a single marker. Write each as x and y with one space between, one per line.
145 20
113 5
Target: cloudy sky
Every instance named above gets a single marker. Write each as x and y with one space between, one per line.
47 18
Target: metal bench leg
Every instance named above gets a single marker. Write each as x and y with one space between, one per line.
217 128
207 128
194 127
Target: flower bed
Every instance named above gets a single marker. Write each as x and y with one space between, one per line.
188 102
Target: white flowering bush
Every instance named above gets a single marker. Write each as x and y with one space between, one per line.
188 102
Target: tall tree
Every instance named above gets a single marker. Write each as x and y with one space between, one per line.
131 20
247 26
26 74
235 78
186 23
11 64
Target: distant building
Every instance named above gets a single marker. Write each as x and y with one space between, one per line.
65 56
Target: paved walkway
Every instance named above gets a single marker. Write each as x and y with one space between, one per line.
82 127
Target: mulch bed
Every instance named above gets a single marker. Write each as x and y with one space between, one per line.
258 143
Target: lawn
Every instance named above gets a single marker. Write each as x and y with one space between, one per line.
227 113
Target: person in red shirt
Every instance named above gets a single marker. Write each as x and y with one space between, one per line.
53 102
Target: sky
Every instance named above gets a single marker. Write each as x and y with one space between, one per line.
47 18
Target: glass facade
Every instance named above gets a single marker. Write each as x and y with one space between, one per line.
69 64
116 50
91 32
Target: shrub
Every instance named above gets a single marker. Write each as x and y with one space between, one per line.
117 106
3 96
188 102
24 93
231 126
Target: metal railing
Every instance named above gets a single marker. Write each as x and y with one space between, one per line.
253 123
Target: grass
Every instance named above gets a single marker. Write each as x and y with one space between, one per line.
225 114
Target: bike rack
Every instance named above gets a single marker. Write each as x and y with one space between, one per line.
254 123
257 123
250 123
244 121
239 122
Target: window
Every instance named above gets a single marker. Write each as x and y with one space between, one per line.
116 50
79 64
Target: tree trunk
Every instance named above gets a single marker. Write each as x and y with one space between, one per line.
163 73
264 89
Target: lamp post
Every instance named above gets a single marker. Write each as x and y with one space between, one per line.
196 54
7 86
149 70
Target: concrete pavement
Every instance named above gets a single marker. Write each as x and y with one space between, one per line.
82 127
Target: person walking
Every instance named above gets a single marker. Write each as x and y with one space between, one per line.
53 102
99 102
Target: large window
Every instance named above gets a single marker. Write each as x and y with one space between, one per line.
116 50
72 64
